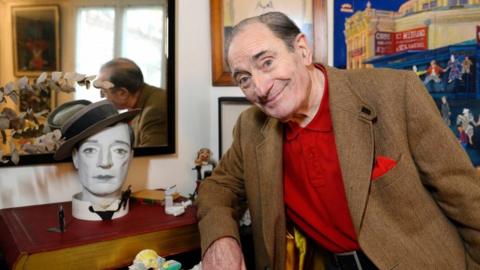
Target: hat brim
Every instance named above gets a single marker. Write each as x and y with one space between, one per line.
65 149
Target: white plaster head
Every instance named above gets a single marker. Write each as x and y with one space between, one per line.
100 142
102 161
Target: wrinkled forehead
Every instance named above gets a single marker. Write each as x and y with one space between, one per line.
249 40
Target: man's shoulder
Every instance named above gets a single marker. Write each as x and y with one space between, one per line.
153 90
153 95
373 80
253 120
254 113
376 74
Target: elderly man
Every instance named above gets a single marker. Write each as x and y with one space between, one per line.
121 82
356 164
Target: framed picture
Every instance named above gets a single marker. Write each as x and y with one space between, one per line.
229 108
309 15
438 40
36 42
345 10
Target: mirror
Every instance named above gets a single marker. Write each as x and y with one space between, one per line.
160 74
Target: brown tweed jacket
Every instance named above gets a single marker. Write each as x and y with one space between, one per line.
422 214
150 125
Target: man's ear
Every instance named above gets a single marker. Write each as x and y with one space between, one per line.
123 92
75 158
301 46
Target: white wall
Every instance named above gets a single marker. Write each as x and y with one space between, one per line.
196 125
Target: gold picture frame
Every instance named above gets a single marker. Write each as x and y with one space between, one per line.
222 11
36 41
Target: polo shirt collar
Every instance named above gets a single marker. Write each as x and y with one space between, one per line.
322 121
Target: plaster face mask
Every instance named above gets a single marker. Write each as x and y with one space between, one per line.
102 161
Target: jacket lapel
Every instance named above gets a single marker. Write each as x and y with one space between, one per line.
270 168
352 124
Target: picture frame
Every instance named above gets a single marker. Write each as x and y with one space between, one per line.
223 17
36 39
437 40
229 108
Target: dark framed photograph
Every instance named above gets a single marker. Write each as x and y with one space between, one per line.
229 108
309 15
36 41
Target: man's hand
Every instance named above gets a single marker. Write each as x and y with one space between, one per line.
224 253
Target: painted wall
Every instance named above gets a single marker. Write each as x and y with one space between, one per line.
196 116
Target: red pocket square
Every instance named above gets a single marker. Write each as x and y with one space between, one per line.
382 166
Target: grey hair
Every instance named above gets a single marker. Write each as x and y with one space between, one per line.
279 23
124 73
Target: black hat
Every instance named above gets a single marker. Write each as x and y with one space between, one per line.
60 115
89 121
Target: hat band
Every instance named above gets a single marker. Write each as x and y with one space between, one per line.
90 118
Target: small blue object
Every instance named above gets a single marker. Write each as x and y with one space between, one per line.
170 265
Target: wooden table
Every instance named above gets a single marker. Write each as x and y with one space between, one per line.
26 243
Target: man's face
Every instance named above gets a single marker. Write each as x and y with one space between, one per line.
204 155
115 94
103 159
270 75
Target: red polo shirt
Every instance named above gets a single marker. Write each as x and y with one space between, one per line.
313 186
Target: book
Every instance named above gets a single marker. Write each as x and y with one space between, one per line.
27 243
152 196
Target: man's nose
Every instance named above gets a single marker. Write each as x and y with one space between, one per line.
104 159
263 85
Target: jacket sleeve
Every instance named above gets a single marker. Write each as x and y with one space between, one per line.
220 195
444 167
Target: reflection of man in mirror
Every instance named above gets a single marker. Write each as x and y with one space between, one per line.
100 143
121 82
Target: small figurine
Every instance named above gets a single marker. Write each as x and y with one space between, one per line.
171 208
149 259
204 165
61 221
125 197
433 73
467 122
445 111
455 69
466 65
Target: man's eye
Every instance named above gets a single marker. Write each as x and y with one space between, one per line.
267 63
120 151
89 150
243 81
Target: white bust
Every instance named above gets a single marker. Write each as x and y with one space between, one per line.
102 161
99 140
